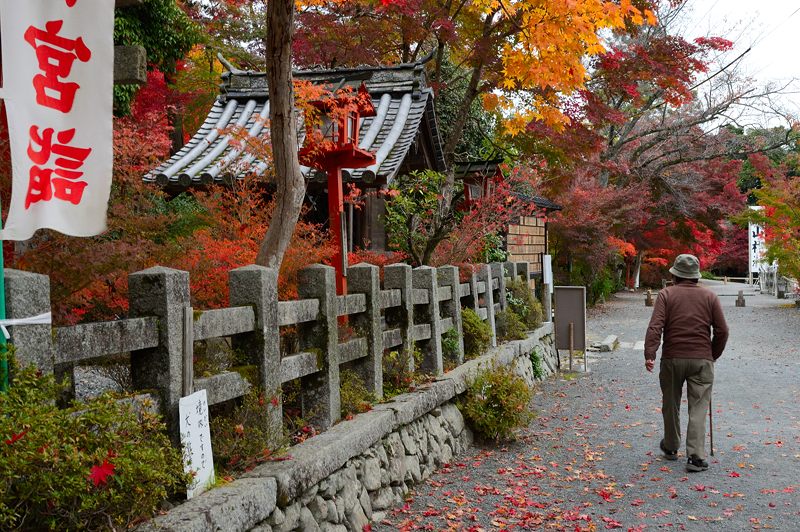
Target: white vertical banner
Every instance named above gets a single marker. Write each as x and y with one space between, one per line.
756 245
58 76
547 271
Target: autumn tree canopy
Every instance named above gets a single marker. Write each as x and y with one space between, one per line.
652 152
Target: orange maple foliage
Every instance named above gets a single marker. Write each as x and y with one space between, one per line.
625 249
543 45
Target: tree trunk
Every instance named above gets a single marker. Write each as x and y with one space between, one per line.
283 135
460 121
462 116
637 271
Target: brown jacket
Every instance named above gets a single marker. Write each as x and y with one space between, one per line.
685 313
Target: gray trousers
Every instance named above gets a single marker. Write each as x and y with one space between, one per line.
698 374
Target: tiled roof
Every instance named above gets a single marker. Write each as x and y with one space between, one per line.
401 98
539 201
463 169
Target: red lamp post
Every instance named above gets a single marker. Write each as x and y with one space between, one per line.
336 148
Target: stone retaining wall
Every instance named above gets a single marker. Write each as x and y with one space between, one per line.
377 479
347 476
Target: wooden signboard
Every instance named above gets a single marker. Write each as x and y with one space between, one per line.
570 308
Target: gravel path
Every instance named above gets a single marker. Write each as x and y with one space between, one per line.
590 461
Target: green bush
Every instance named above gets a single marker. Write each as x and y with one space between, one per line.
493 249
536 363
354 396
243 437
509 326
477 334
398 376
497 403
450 347
602 287
94 465
521 300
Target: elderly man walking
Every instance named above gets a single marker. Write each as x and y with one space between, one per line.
685 314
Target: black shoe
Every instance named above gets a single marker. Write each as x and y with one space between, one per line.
695 465
669 455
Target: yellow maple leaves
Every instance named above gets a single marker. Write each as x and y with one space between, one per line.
545 48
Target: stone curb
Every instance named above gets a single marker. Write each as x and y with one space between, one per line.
239 505
609 343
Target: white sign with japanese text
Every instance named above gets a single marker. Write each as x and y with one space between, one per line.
196 441
58 76
756 245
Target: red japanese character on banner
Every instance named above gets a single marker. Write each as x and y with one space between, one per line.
63 181
56 55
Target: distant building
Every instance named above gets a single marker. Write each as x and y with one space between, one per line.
525 240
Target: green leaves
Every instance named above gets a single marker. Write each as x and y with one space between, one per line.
83 467
415 220
520 299
163 29
477 334
498 403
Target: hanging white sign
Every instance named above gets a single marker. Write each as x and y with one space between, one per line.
58 75
198 459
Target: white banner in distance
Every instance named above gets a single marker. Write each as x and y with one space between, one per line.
756 245
547 271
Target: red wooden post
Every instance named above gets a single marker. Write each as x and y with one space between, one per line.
335 212
339 150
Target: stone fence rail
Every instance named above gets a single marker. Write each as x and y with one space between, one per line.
402 309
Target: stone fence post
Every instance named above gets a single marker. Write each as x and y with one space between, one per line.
398 277
365 279
498 272
547 303
448 276
524 271
163 293
474 298
257 286
28 295
320 391
510 269
520 270
485 276
425 278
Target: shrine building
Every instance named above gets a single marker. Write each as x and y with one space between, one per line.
403 135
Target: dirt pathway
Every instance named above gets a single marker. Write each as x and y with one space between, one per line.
590 460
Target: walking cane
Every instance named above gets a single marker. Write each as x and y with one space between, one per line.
711 424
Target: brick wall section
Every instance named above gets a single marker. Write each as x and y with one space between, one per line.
527 242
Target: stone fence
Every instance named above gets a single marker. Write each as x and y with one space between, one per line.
406 308
355 472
